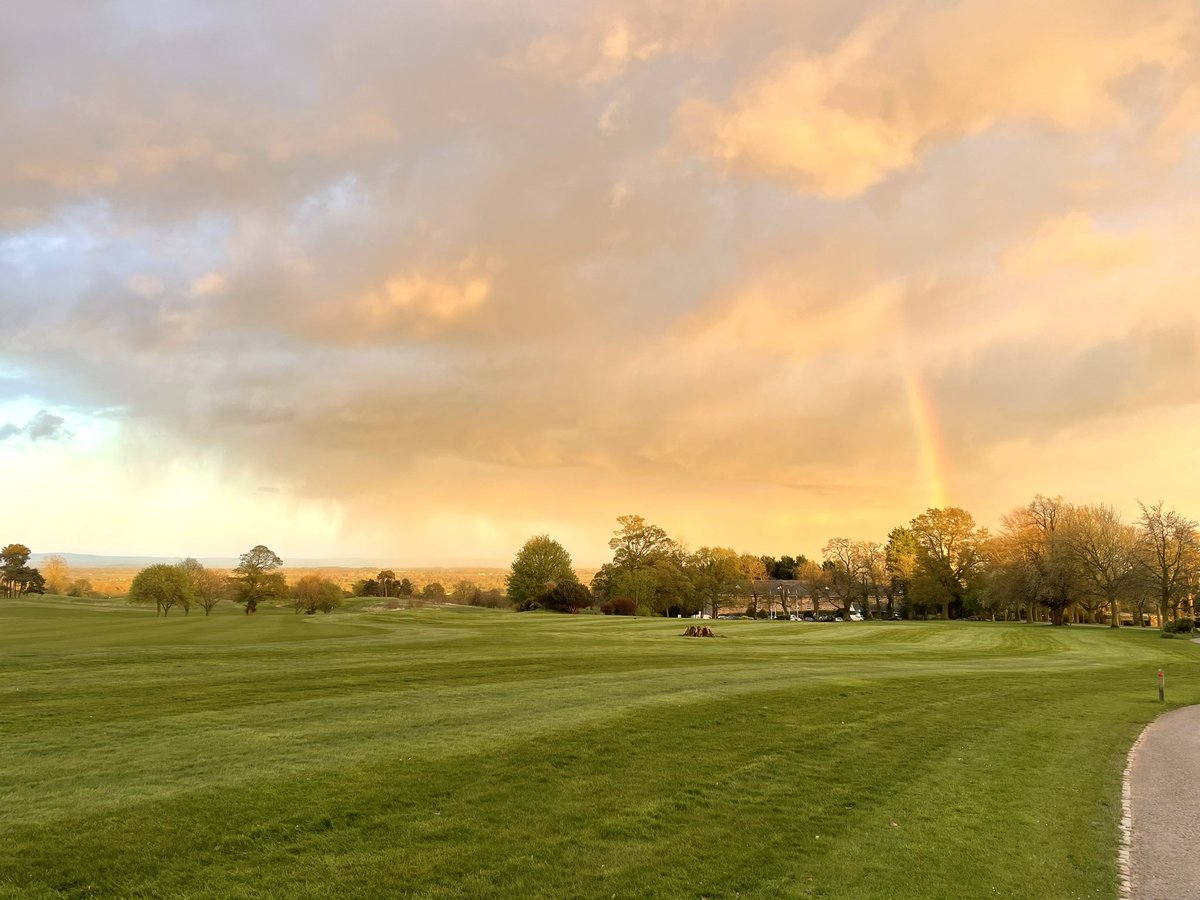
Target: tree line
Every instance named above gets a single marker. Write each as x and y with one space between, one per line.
1050 560
254 580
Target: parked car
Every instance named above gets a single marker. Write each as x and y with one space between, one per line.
856 617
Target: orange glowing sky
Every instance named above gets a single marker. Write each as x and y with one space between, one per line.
417 281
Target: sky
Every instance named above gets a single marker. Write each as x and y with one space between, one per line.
419 280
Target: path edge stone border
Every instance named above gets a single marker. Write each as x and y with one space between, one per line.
1123 871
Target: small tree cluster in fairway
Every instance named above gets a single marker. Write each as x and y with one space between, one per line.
315 592
185 584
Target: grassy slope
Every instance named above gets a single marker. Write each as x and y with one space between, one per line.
472 754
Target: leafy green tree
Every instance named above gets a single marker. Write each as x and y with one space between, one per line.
163 585
404 588
716 575
29 581
367 587
662 587
900 562
435 590
316 592
14 568
540 565
255 578
647 567
638 543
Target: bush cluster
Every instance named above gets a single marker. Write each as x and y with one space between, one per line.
619 606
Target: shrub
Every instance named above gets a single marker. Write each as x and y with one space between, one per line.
568 597
1182 625
619 606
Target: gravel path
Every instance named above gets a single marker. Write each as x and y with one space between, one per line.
1164 796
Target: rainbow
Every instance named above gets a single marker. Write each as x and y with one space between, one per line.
931 452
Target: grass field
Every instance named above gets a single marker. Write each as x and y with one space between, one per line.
471 753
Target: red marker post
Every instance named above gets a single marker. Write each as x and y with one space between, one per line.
1162 686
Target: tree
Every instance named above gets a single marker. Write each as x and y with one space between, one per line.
255 578
647 567
369 587
80 587
566 596
1031 562
672 591
404 588
1170 548
947 557
900 559
434 591
638 543
386 579
872 573
716 574
811 582
163 585
208 588
29 581
13 568
540 564
57 574
492 598
316 592
843 568
758 568
465 592
1105 551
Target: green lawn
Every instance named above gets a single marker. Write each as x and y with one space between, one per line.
468 753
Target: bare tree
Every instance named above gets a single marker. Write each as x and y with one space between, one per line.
872 573
1105 551
843 567
1170 549
1032 560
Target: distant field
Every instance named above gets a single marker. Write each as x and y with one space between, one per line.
472 753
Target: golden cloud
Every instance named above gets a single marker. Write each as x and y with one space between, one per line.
1073 241
838 123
